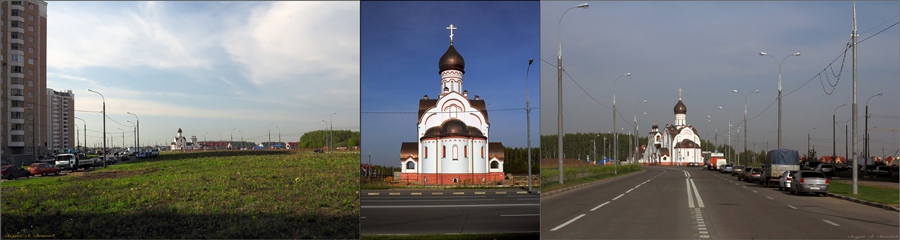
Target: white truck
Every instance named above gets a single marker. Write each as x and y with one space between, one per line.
70 161
778 161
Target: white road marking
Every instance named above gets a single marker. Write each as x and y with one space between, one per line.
520 215
500 192
394 193
697 193
598 206
629 190
458 193
362 217
690 198
620 195
521 192
415 193
704 236
792 207
479 193
770 197
744 186
754 191
832 223
373 194
437 193
567 223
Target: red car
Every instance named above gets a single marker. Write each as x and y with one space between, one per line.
43 169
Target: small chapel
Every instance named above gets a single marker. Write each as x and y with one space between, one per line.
180 143
674 145
453 146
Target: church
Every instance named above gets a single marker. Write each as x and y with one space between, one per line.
453 132
180 143
674 145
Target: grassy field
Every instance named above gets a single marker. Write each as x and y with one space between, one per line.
579 172
213 194
883 195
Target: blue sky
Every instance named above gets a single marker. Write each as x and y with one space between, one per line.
211 68
401 43
710 48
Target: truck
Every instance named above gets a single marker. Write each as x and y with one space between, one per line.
778 161
716 160
70 161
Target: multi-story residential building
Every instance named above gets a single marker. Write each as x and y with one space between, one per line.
23 83
60 118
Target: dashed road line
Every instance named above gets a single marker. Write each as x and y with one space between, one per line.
792 207
479 193
500 192
458 193
620 195
394 193
832 223
415 193
567 223
373 194
437 193
601 205
754 191
770 197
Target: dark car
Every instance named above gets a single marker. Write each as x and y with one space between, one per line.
12 172
826 168
736 170
755 174
43 169
318 150
809 165
744 173
807 181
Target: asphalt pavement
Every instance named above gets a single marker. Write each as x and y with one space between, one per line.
680 202
448 211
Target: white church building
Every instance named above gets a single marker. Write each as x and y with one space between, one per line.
677 144
180 143
453 132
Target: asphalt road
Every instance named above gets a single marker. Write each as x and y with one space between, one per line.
680 202
450 211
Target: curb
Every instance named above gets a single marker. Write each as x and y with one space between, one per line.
874 204
554 192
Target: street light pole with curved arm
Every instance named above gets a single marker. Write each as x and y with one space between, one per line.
833 134
615 130
326 136
745 117
867 127
560 91
779 90
85 134
729 131
807 142
138 129
133 131
270 133
104 125
528 122
634 141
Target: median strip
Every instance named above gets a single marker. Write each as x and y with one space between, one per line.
567 223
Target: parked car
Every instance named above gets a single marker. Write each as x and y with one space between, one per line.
727 168
809 165
111 160
141 155
755 174
883 171
43 169
807 181
12 172
745 173
154 153
785 181
736 170
826 168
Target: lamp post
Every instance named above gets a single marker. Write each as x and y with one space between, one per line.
85 134
559 68
615 130
133 131
331 130
779 90
834 134
807 141
867 127
138 129
528 122
123 136
716 147
279 134
729 131
745 115
104 125
632 149
270 133
242 139
595 146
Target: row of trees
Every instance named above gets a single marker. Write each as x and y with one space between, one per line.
582 145
319 138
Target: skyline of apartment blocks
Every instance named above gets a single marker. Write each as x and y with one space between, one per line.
61 119
25 106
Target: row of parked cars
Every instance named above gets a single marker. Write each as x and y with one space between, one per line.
796 181
11 172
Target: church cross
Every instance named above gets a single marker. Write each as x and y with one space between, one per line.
451 28
679 93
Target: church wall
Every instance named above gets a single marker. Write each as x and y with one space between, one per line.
428 165
459 164
447 179
480 162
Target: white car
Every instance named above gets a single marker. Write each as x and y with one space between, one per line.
784 183
141 155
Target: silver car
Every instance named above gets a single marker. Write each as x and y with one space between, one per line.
807 181
784 183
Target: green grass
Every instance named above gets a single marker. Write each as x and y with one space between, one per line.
214 194
585 174
485 236
882 195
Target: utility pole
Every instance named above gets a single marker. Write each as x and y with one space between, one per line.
853 38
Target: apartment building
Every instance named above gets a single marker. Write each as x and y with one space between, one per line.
60 118
23 78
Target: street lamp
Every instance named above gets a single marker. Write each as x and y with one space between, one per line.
779 90
133 131
615 130
833 134
279 134
595 146
634 141
326 135
104 125
242 139
331 130
123 136
867 127
560 91
138 129
745 116
709 119
230 142
270 133
807 142
84 145
528 123
729 131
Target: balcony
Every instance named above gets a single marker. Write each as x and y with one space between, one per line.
16 144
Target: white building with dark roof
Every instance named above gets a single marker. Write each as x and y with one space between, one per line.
676 144
453 132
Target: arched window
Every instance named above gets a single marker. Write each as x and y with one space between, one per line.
657 138
456 180
443 151
482 152
426 152
455 152
410 165
495 164
466 151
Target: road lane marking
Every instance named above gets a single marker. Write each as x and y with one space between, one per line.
704 236
362 217
770 197
415 193
620 195
373 194
792 207
477 193
458 206
697 193
520 215
595 208
500 192
437 193
567 223
744 186
832 223
458 193
394 193
687 184
522 192
754 191
629 190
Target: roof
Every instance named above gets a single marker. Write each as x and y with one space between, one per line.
409 149
451 60
680 108
496 149
425 104
664 152
687 143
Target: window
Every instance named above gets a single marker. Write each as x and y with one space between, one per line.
17 69
30 50
17 138
31 61
482 152
410 165
16 103
30 105
16 92
30 6
30 17
16 24
16 57
30 117
30 39
466 151
444 152
495 164
17 13
30 72
17 3
18 126
30 94
456 180
426 149
16 115
455 152
15 35
15 46
30 83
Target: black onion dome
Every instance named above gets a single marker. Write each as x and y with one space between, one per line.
451 60
179 130
474 132
454 127
432 132
680 108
